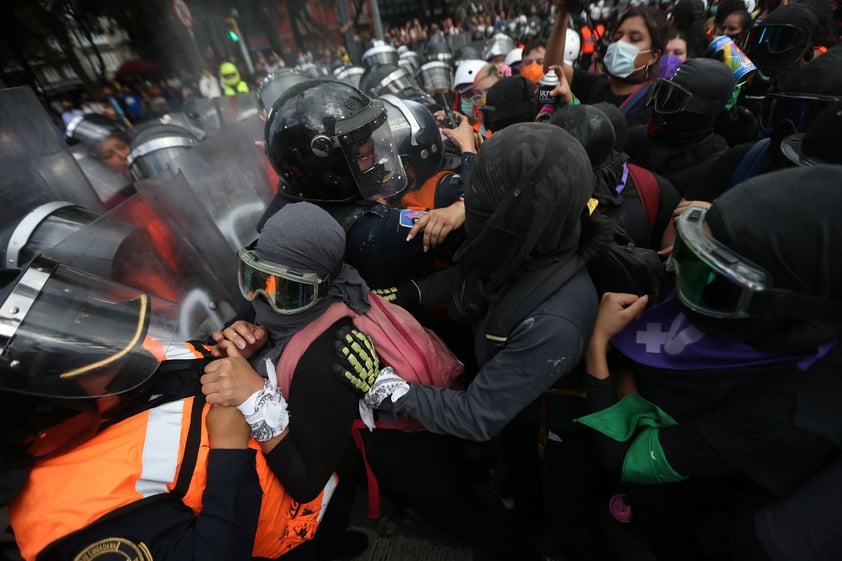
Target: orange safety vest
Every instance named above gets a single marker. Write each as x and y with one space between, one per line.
424 198
588 38
137 458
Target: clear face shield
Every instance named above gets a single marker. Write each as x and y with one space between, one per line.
395 83
715 281
373 159
70 344
436 77
65 333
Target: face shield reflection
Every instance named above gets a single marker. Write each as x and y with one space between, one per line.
70 334
375 164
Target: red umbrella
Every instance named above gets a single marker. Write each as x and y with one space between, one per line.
136 67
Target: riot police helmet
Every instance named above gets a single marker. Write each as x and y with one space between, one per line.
417 136
330 142
275 84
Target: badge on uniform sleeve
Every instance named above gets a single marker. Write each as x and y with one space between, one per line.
115 549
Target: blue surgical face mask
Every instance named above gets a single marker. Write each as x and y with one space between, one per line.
467 106
620 57
714 9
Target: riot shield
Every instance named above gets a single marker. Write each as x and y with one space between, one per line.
136 245
111 186
226 179
37 166
211 115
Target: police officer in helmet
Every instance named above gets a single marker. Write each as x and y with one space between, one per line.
331 145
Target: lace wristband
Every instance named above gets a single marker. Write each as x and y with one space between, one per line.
266 412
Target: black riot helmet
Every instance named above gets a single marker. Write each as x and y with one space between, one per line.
417 136
277 83
350 75
438 51
380 54
381 79
330 142
468 52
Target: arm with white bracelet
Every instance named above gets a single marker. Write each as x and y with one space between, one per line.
266 409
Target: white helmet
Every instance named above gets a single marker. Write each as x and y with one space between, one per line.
498 45
466 72
572 47
514 57
750 5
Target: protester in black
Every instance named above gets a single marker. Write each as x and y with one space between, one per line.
735 415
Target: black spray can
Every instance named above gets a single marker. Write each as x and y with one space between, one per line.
546 85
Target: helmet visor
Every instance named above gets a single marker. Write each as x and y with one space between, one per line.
711 279
374 162
66 333
796 110
669 98
394 83
777 38
436 77
287 292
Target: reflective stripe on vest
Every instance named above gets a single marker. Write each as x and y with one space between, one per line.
113 470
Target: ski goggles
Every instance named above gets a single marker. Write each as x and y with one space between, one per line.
669 98
795 109
777 38
715 281
287 291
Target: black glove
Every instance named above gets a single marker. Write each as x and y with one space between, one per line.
406 295
358 364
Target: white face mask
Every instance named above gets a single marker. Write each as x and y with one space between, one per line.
619 59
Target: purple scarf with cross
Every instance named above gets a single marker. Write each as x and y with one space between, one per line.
664 338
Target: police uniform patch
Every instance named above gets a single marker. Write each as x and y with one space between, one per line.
115 549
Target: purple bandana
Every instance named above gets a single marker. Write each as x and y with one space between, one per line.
664 338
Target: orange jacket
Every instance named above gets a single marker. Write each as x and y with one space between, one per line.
137 458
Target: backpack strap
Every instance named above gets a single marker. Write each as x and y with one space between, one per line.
191 447
751 163
524 296
372 484
302 340
635 96
648 192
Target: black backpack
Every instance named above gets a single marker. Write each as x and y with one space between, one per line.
625 267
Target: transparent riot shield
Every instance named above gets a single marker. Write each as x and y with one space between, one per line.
110 185
225 177
211 115
37 166
136 245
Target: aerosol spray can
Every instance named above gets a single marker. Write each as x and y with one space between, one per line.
546 85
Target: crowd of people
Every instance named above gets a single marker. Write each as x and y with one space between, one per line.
586 252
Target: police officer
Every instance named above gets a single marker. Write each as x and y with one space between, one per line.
91 392
331 145
231 81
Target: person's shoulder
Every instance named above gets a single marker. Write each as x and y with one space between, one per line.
574 304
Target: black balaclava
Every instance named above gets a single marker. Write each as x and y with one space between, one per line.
772 64
706 79
682 140
594 130
621 124
787 223
511 100
528 194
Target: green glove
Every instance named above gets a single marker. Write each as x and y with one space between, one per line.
406 295
358 364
